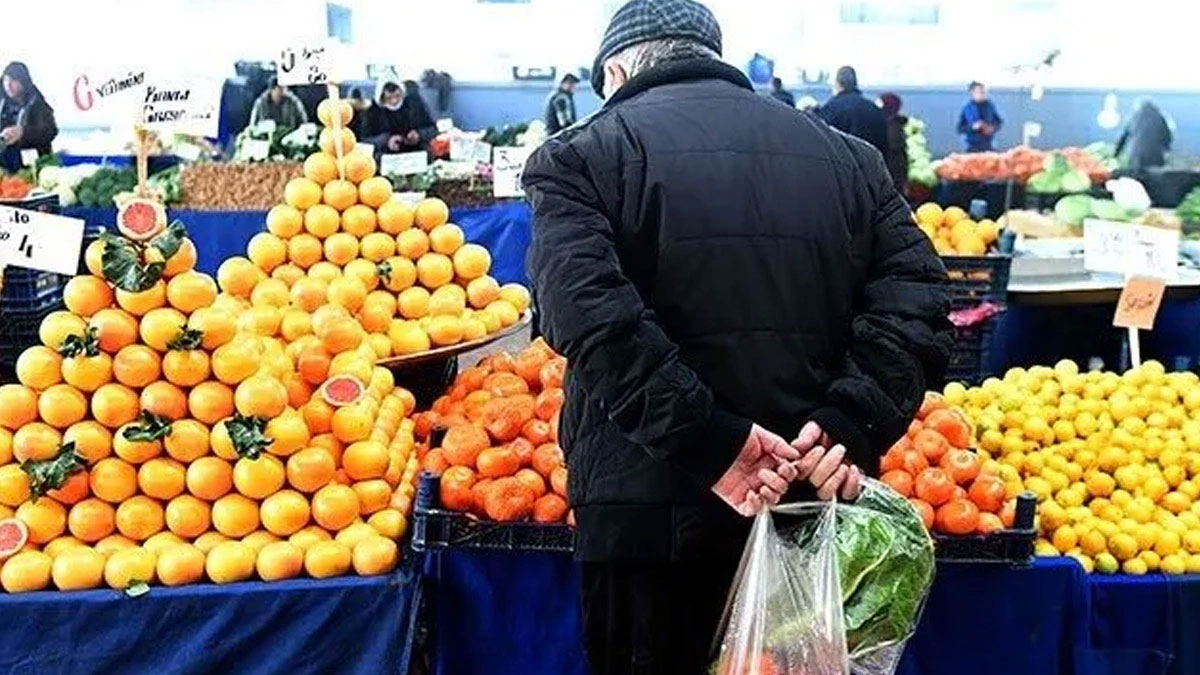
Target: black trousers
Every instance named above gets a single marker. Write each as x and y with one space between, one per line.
654 618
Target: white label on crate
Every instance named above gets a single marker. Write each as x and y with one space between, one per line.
40 241
507 166
1125 248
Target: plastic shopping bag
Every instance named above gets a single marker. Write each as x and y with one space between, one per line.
828 589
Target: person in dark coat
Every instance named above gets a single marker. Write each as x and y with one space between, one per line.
560 105
979 120
724 274
399 121
896 156
851 112
1146 138
279 105
26 119
780 94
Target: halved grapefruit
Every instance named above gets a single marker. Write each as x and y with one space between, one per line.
13 535
341 390
140 219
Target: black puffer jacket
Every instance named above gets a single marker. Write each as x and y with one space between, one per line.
705 258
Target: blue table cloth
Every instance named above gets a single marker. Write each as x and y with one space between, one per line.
498 613
503 228
343 625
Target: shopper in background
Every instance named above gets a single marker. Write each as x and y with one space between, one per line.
896 155
399 121
560 105
979 121
26 119
1146 138
280 105
722 273
360 105
780 94
851 112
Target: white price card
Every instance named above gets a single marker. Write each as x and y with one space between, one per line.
40 241
404 163
508 163
303 64
256 150
265 127
29 156
465 148
182 106
445 124
365 148
1125 248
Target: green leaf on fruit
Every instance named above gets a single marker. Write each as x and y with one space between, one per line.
51 474
122 264
169 240
188 339
150 427
80 345
248 435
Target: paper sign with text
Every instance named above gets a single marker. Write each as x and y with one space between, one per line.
40 241
508 163
404 163
191 106
1139 303
1125 248
304 64
109 96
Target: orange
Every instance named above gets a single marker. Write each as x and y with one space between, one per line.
341 248
434 269
39 367
546 458
358 166
184 259
376 192
327 108
228 562
412 244
321 221
115 328
91 520
318 415
365 271
161 478
550 508
179 565
136 365
62 405
463 443
319 168
517 296
86 295
190 291
310 469
497 462
358 221
77 568
313 365
26 571
508 499
308 536
325 314
504 311
389 523
295 324
340 335
304 250
165 400
301 193
92 441
160 541
365 459
217 326
93 257
348 292
448 301
134 452
209 478
472 261
352 423
373 495
326 559
237 276
413 303
279 560
394 216
284 512
235 515
128 566
340 194
87 373
446 238
113 480
114 405
260 396
398 273
288 433
237 360
308 294
284 220
18 406
139 517
161 326
140 303
266 251
455 488
270 292
374 555
210 402
57 326
14 485
341 144
35 442
185 368
72 490
257 478
335 506
188 517
430 213
482 291
957 516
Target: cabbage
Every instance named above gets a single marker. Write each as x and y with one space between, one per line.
1044 182
1072 209
1108 209
1076 181
1056 163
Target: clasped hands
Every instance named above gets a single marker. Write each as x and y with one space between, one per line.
767 465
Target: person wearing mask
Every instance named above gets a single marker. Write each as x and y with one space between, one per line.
280 105
979 121
26 119
560 106
896 156
851 112
399 121
723 278
1146 138
780 94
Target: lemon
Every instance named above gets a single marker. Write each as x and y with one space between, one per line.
1106 563
1174 564
1122 545
1152 560
1134 566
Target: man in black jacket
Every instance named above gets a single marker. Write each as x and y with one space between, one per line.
851 112
722 273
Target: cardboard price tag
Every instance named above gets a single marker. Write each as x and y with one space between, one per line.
1139 302
303 64
40 241
1125 248
177 106
508 164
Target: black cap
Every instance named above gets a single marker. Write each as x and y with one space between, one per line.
645 20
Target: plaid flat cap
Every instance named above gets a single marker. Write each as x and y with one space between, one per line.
643 20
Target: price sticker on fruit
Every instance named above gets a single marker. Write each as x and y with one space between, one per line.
40 241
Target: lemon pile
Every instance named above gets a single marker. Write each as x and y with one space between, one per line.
1114 460
953 232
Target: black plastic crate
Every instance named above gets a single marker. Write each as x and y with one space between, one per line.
1013 547
977 279
18 332
434 527
26 289
970 355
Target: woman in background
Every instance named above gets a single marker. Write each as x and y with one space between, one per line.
26 120
896 156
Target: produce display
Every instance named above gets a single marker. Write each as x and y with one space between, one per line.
1020 163
14 188
1189 208
234 185
1114 460
1059 175
920 161
498 457
955 492
99 187
953 232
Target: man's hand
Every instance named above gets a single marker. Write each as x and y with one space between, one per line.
412 137
12 134
760 474
394 143
822 465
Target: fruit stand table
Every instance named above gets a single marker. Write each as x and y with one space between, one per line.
342 625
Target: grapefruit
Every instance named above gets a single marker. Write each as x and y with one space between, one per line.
342 390
140 219
13 535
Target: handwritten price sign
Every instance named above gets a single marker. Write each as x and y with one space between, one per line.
1125 248
40 241
1139 303
303 65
